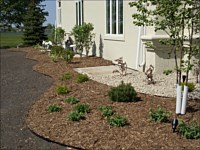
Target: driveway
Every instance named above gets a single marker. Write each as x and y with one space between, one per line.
20 87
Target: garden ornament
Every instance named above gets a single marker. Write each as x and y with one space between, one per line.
47 45
149 74
174 123
122 66
197 73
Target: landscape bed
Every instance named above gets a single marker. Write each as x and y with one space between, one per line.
94 132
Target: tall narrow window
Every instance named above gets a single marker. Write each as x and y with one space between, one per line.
59 12
108 16
79 12
114 16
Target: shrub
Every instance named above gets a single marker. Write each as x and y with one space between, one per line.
82 78
106 111
82 108
53 57
54 108
191 86
123 93
62 89
118 121
75 116
191 131
83 37
71 100
159 115
56 51
66 76
167 72
68 55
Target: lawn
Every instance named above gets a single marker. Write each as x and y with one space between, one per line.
10 39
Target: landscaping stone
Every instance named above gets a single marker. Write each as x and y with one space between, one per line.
165 85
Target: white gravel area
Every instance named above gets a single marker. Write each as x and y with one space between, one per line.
165 85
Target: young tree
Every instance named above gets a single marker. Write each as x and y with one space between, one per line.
83 37
178 19
34 31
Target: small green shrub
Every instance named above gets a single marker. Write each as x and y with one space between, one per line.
75 116
57 51
191 131
62 89
68 55
191 86
123 93
66 76
117 121
167 72
53 57
159 115
71 100
82 78
54 108
106 111
82 108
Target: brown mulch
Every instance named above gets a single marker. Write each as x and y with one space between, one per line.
94 132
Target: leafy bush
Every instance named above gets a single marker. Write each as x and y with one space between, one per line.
106 111
83 37
75 116
191 131
123 93
60 35
82 78
118 121
167 72
54 108
62 89
191 86
159 115
68 55
82 108
66 76
71 100
53 57
57 51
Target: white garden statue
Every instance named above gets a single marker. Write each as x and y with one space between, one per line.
47 45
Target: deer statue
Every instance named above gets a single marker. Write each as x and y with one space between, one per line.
149 74
122 66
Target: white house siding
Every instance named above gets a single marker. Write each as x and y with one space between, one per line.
114 47
95 13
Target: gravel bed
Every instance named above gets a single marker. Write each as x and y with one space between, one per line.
165 85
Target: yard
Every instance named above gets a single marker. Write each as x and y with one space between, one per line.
94 132
10 39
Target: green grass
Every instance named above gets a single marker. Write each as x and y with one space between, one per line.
8 40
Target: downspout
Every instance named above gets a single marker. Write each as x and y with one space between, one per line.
143 49
138 47
142 31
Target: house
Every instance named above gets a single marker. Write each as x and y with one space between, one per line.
115 34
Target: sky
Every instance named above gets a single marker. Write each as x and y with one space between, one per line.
51 8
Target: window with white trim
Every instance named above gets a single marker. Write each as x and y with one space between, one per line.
79 12
59 12
114 17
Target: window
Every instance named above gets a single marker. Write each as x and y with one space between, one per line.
59 13
79 12
114 16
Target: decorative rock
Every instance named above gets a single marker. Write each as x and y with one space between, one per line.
165 85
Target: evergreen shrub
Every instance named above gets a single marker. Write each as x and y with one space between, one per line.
123 93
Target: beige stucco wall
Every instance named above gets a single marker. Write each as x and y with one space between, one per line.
113 47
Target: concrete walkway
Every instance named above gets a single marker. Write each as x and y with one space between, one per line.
20 87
